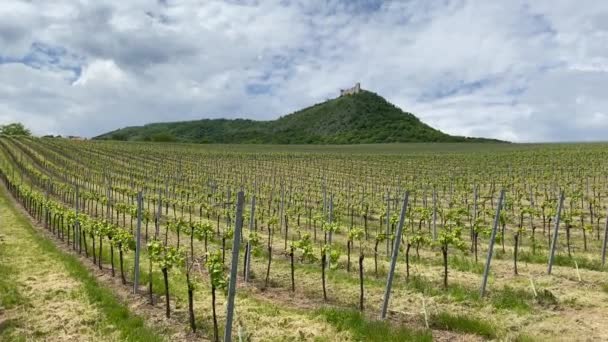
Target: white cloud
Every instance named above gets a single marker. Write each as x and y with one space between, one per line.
104 72
517 70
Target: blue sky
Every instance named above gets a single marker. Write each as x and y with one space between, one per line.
516 70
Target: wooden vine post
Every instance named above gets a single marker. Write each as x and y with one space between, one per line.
76 225
234 266
331 216
109 199
388 220
329 234
45 208
475 195
486 271
137 243
555 231
281 214
251 228
605 241
158 214
434 214
391 273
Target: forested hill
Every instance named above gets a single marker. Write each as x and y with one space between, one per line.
361 118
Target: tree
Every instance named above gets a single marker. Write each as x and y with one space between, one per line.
125 242
305 247
418 239
178 225
273 220
379 239
215 267
16 128
166 257
202 232
357 235
480 227
450 235
354 234
518 233
328 251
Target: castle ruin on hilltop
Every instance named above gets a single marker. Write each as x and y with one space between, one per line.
350 91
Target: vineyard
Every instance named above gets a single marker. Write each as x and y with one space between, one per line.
334 243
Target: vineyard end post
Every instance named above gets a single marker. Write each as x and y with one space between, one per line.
234 266
555 231
137 243
251 227
605 241
391 273
486 271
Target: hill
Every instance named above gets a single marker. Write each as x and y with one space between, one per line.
359 118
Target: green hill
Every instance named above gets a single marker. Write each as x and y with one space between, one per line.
352 119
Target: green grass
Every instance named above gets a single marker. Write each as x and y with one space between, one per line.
465 264
506 298
512 299
9 291
458 262
8 331
583 262
10 297
366 330
455 291
562 260
463 324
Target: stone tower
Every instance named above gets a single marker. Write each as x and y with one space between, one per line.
350 91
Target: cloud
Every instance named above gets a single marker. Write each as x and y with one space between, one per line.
104 72
517 70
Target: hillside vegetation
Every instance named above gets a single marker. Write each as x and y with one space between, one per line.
354 119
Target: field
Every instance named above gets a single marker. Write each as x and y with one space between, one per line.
319 229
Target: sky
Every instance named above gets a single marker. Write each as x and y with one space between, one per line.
523 71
